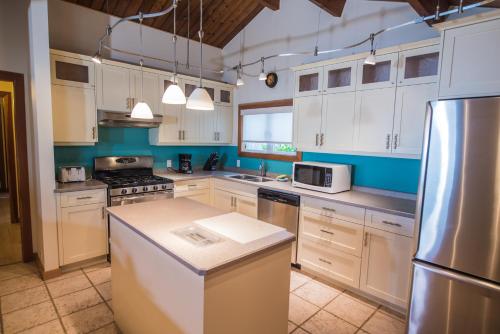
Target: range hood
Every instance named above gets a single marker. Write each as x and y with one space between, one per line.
113 119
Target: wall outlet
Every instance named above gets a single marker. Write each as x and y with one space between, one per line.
169 163
238 163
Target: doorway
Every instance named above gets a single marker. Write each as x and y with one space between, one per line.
15 218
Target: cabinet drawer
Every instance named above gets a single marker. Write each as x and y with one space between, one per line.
390 223
334 233
202 196
83 197
236 187
335 264
334 210
189 185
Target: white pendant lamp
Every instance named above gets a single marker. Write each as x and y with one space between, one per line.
141 109
174 94
371 59
199 98
262 75
239 79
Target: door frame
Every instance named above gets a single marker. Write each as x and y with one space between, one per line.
22 161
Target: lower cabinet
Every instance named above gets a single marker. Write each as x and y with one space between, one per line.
82 225
231 201
386 265
197 190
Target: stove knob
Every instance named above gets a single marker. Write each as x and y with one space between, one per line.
163 186
155 187
124 191
145 189
134 190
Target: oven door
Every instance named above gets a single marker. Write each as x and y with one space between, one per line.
139 198
312 177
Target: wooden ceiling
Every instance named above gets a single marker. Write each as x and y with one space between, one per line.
224 19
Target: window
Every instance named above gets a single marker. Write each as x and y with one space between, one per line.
266 131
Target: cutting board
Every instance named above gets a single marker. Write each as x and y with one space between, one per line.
240 228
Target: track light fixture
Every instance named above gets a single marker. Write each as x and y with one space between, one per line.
371 60
262 75
239 79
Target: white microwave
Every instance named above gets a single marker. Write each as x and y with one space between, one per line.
325 177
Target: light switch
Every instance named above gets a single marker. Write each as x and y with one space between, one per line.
169 163
238 163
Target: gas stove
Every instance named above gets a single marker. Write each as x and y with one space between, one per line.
130 179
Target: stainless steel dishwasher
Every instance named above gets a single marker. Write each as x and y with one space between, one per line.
280 209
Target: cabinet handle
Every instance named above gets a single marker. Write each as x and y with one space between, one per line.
317 139
127 102
395 141
365 241
325 261
327 232
179 136
84 197
388 142
93 132
102 212
321 140
391 223
329 209
183 135
218 136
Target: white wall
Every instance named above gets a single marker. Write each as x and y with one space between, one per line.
77 29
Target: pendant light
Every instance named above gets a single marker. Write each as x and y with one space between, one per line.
371 60
199 98
262 75
239 79
174 94
141 109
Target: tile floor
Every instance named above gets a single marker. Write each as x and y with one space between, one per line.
80 302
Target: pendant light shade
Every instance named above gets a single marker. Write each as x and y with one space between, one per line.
371 60
173 95
200 100
142 110
262 76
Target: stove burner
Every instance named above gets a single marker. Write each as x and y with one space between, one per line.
134 181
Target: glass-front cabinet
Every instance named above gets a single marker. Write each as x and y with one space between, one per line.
382 74
72 71
224 96
418 66
340 77
309 82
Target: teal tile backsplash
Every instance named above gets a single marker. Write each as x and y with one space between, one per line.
383 173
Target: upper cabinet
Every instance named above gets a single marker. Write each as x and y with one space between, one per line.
418 66
113 88
340 77
224 96
470 55
308 82
381 75
68 71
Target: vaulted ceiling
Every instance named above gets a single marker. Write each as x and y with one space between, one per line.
224 19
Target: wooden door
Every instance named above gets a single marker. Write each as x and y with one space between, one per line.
338 122
113 88
307 122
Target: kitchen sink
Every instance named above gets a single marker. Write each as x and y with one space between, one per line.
251 178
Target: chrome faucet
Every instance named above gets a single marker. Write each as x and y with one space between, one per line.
262 168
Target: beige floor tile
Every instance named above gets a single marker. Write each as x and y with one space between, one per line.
382 323
51 327
393 313
87 320
22 299
300 331
28 317
325 323
96 266
6 274
19 283
77 301
70 274
300 310
291 326
108 329
68 285
110 304
317 293
297 280
18 269
100 276
105 290
352 310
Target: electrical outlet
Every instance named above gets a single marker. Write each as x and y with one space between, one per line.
169 163
238 163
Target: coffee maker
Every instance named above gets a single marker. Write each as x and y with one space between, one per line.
185 166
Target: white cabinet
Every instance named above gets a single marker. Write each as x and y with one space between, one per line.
337 124
208 125
224 96
113 88
409 117
224 125
307 122
231 196
197 190
469 65
418 66
246 205
308 82
340 77
150 91
73 100
386 264
374 120
381 75
81 225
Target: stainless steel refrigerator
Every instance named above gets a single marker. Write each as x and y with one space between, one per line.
456 269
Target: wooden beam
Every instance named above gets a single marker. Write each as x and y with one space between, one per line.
332 7
494 4
426 8
271 4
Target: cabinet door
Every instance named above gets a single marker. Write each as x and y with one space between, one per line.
202 196
246 205
418 66
74 115
409 117
208 126
71 71
150 91
169 131
113 88
308 82
224 96
84 232
469 65
374 120
307 122
224 124
381 75
385 266
338 122
340 77
224 200
190 118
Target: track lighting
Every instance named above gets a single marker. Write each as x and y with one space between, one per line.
239 79
371 60
97 58
262 75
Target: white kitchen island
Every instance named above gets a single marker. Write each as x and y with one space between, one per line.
165 283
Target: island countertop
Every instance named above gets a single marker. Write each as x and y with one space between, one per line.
156 220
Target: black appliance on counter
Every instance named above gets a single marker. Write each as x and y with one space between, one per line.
185 165
211 163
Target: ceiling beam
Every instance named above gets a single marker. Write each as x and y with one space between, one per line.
271 4
426 8
332 7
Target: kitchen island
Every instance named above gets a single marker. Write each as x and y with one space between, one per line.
179 266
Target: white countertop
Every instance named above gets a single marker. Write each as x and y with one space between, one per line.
388 204
79 186
156 220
